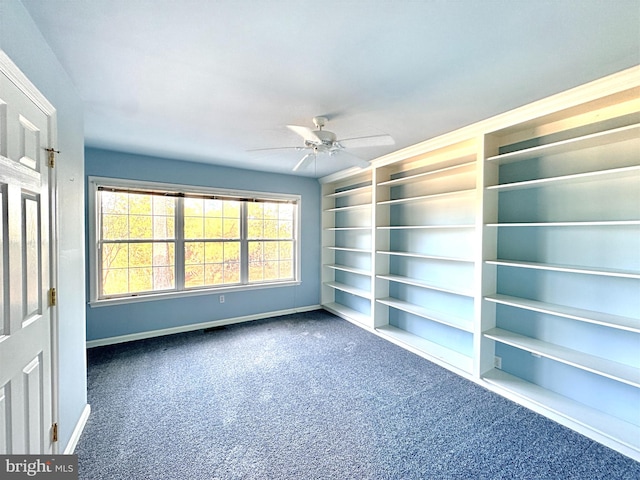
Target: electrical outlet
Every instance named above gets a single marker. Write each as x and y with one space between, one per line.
221 298
497 362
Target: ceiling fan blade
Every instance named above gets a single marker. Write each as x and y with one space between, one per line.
370 141
306 133
359 162
306 160
274 148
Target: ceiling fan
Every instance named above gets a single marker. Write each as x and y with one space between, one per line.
323 141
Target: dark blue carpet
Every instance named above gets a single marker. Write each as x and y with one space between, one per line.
310 396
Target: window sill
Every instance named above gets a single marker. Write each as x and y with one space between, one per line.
188 293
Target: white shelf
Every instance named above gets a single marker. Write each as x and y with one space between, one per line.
349 207
426 197
604 223
348 249
425 227
346 312
340 229
583 415
426 348
564 179
349 289
421 176
590 363
607 272
421 284
421 255
593 140
343 193
439 317
344 268
589 316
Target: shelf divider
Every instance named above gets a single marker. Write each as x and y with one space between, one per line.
426 348
590 363
630 132
349 289
579 314
439 317
607 272
422 284
563 179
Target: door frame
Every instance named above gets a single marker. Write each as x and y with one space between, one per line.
22 82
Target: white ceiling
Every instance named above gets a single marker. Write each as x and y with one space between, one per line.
207 80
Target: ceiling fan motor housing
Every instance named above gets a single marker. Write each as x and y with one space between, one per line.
327 138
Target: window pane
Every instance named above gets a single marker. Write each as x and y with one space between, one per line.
140 279
286 250
139 204
193 276
114 202
213 208
115 255
193 227
163 254
115 281
193 207
115 227
270 211
255 228
255 251
286 211
286 270
271 251
231 272
163 227
163 278
163 205
140 255
214 252
270 270
232 251
231 209
285 229
213 228
140 226
255 271
270 229
193 253
231 228
214 274
255 210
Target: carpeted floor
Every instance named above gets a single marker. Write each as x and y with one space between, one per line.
310 396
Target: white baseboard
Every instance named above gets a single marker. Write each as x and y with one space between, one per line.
197 326
77 431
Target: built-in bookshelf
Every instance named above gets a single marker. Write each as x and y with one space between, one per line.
567 268
424 254
508 252
347 248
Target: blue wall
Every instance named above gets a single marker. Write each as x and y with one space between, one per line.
21 40
112 321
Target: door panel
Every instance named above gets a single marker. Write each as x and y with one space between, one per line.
25 316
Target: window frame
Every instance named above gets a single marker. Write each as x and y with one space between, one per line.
179 290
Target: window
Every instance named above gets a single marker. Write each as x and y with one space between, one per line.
155 239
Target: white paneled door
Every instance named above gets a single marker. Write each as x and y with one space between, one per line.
26 131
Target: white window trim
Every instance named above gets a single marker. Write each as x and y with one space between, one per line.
95 182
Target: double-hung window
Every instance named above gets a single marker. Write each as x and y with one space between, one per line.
161 240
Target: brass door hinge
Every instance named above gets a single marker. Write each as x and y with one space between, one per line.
54 432
51 162
53 297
